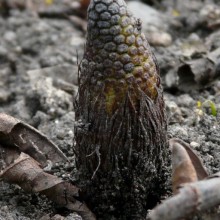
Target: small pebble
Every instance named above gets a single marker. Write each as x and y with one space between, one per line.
159 39
10 36
194 144
61 134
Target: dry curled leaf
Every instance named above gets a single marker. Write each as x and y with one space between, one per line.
196 161
193 195
14 132
195 74
27 173
20 168
182 166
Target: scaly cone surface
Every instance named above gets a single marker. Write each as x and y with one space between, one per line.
120 132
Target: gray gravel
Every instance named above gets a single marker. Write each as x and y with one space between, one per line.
38 54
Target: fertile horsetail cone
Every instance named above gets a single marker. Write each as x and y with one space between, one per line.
118 55
120 134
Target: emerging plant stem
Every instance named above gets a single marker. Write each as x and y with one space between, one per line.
120 134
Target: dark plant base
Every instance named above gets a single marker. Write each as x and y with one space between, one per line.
123 160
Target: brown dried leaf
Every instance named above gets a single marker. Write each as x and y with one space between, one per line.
14 132
27 173
196 161
183 169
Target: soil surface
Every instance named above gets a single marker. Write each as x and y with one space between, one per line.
40 47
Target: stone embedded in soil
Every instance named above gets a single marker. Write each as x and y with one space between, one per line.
158 38
46 97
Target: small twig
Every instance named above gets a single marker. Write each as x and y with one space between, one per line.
193 197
